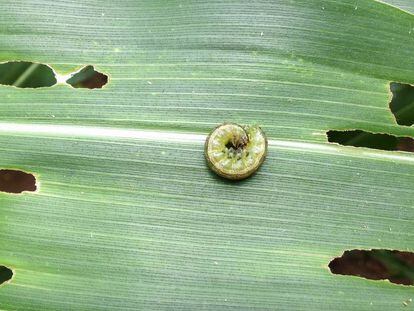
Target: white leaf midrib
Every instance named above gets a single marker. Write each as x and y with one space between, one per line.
78 131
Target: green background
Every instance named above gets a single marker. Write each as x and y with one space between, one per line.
132 219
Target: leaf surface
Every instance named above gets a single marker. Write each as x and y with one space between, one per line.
129 217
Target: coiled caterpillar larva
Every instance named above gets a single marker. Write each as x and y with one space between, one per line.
234 151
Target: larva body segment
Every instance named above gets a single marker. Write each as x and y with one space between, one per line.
235 152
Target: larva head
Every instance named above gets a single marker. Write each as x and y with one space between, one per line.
234 151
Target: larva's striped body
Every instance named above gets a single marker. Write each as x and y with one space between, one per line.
234 151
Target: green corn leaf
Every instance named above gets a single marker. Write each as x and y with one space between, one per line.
127 215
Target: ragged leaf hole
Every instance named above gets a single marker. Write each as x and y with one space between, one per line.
15 181
359 138
402 103
23 74
376 264
6 274
88 78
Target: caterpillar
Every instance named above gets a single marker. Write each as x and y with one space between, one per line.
234 151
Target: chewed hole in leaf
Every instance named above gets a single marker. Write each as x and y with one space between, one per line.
6 274
377 264
402 103
88 78
26 75
358 138
14 181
